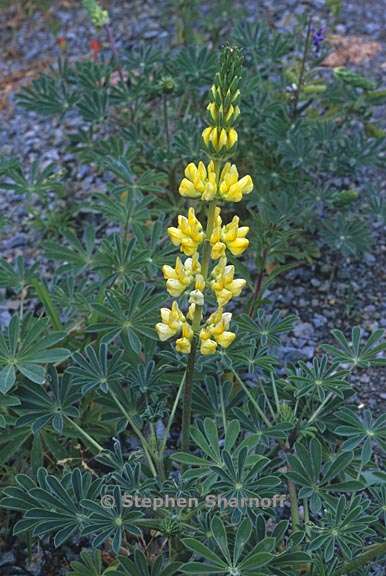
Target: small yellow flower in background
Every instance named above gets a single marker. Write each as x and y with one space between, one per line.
189 234
171 324
224 284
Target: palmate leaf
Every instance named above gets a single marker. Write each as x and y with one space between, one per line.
90 564
129 316
345 525
230 555
197 65
75 257
361 431
38 181
120 260
319 480
26 348
17 276
46 95
109 522
94 368
347 235
319 379
267 328
39 407
52 506
94 105
141 566
126 207
357 352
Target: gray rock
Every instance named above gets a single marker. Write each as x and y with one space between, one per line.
304 330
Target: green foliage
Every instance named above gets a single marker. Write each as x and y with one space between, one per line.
90 401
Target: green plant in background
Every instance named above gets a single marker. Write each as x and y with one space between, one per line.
98 412
307 135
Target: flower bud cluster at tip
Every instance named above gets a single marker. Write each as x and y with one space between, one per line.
216 181
223 109
98 15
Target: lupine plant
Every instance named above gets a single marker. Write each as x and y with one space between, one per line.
203 456
211 185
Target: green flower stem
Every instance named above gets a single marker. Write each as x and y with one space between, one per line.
172 416
291 485
166 122
115 52
86 436
251 398
145 445
320 407
188 387
294 504
302 71
370 554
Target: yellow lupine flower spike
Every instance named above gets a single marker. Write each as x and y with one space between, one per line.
189 234
217 180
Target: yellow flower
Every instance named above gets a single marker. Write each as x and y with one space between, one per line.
172 321
189 234
219 138
184 344
178 278
229 236
235 237
218 247
224 285
199 182
216 332
208 347
231 188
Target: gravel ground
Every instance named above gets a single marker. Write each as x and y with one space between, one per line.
354 295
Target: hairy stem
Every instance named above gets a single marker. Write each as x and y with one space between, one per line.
320 407
370 554
166 121
299 87
86 436
145 445
115 52
256 293
251 398
171 417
